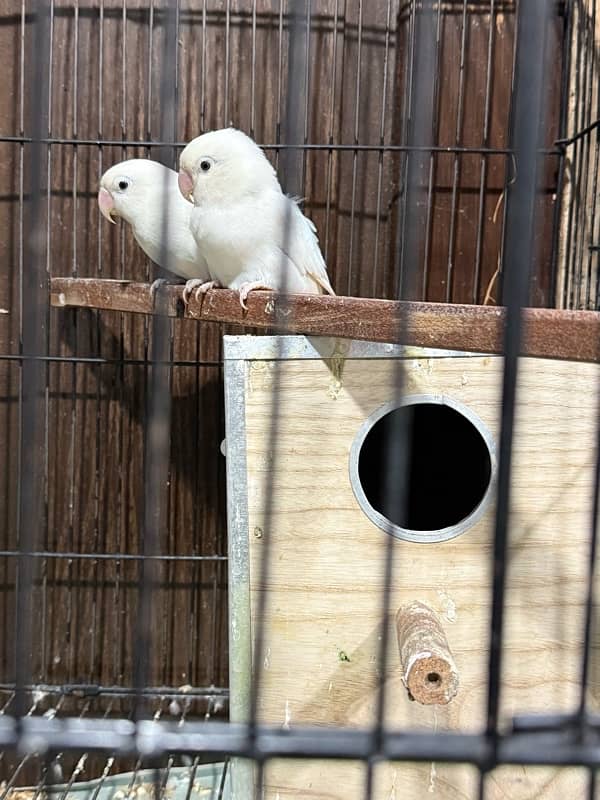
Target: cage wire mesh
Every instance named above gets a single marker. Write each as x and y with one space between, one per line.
578 236
414 131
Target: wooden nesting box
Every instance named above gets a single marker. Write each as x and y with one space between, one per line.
320 480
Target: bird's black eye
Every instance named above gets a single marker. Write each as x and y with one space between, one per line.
123 185
205 165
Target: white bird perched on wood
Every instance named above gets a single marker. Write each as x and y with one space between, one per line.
252 235
141 191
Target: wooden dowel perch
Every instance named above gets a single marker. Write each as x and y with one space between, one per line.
428 669
547 333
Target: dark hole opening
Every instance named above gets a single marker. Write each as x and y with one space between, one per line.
449 466
433 677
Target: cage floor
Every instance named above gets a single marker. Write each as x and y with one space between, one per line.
85 775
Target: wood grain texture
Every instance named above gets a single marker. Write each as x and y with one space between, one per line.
323 622
547 333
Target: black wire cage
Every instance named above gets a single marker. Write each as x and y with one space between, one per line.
446 151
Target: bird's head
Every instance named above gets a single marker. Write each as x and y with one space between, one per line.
129 188
223 165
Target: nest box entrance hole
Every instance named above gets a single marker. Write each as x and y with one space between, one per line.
448 458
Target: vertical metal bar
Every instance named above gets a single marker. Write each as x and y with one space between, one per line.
433 156
592 785
72 634
570 48
253 74
76 101
173 52
119 603
481 785
510 174
456 168
484 159
572 227
226 120
528 109
197 569
590 606
307 68
293 132
34 298
397 454
295 118
203 71
44 520
357 109
221 790
381 158
407 156
279 81
99 542
557 292
306 92
419 114
149 74
170 568
21 270
592 256
582 188
331 129
157 434
214 639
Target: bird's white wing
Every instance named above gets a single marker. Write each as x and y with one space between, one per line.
301 244
248 242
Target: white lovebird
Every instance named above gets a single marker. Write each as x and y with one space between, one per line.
252 235
135 190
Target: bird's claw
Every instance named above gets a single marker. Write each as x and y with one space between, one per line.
246 288
199 287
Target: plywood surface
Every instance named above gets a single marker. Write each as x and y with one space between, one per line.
323 617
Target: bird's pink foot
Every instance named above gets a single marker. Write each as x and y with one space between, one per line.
246 288
199 287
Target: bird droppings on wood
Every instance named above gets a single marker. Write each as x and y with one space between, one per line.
448 605
336 364
432 777
335 387
288 716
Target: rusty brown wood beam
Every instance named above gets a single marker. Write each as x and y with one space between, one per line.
548 333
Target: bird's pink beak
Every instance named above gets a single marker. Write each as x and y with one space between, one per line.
106 203
186 184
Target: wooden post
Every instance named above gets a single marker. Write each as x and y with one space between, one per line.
429 670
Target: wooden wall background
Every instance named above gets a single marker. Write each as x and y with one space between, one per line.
104 72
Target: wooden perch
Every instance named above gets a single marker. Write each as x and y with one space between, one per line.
429 671
547 333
